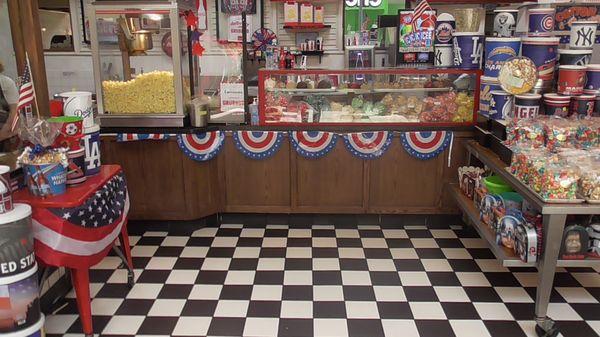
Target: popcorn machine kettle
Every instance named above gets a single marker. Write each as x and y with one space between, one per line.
144 72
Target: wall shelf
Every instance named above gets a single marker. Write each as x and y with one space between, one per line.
306 27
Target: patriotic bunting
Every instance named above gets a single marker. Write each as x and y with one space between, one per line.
258 144
368 145
425 144
202 146
129 137
313 144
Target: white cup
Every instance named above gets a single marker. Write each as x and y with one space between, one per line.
583 34
444 56
79 104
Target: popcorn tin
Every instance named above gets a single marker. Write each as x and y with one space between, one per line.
592 79
91 143
486 208
36 330
571 80
557 105
526 243
76 168
505 233
46 179
505 22
444 28
443 55
71 132
518 75
16 246
541 21
501 104
542 51
583 106
574 57
468 50
583 34
6 204
526 106
497 51
21 303
487 85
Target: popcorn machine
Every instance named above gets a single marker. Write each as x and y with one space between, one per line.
144 72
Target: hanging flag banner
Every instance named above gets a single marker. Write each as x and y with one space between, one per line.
368 145
258 144
203 146
130 137
425 144
313 144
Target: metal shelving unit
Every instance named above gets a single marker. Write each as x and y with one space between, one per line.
554 219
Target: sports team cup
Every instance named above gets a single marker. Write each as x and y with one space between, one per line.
16 250
527 106
592 79
542 51
574 57
76 168
541 21
583 34
91 143
71 132
44 180
468 50
488 84
596 112
505 22
557 105
6 204
497 51
23 308
444 57
571 80
583 106
501 104
445 26
78 104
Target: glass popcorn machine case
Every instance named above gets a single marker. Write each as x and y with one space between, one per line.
144 72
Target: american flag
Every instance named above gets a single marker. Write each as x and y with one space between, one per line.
418 12
26 93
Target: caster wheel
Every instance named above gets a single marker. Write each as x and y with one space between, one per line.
130 280
553 332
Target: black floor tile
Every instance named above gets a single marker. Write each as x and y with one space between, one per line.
460 310
365 328
226 326
434 328
295 327
158 325
329 309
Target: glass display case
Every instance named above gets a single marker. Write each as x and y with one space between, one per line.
369 96
143 71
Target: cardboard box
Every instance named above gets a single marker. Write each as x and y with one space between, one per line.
306 13
291 12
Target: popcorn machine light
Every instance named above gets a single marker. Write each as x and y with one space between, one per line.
144 72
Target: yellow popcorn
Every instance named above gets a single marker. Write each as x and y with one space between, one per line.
152 92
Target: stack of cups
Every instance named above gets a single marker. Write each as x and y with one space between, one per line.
443 48
557 105
487 86
527 106
542 51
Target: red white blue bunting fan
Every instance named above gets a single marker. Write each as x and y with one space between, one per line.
425 144
129 137
258 144
368 145
202 146
313 144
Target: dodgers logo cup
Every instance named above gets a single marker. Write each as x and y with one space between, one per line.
468 50
583 34
501 104
79 104
497 51
541 21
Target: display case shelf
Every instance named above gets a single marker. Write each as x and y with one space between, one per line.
312 27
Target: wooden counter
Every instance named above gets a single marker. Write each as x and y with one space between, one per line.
164 184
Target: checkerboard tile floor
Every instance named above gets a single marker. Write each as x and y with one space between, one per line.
321 280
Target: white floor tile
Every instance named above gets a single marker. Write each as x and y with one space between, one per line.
120 275
381 265
404 253
216 263
325 264
491 265
239 277
271 264
143 251
414 278
231 308
374 243
299 233
161 263
443 233
355 278
328 293
456 253
192 326
205 232
267 292
298 253
259 327
588 279
145 291
562 312
351 253
296 309
297 277
246 252
400 327
468 328
167 308
109 262
175 241
347 233
424 243
59 324
472 279
427 310
528 327
330 327
205 292
224 241
528 279
389 293
105 306
156 233
432 265
451 294
324 242
274 242
194 252
362 309
252 233
513 295
474 243
595 325
182 277
493 311
123 325
395 234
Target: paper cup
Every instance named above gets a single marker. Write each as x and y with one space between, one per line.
91 143
488 84
444 57
71 132
36 330
557 105
16 246
44 180
527 106
571 80
21 303
583 34
501 104
542 51
592 79
505 21
78 104
574 57
468 50
444 28
497 51
541 21
76 169
583 106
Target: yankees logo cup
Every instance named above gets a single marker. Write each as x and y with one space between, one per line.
444 28
583 34
574 57
556 105
501 104
541 21
527 106
592 79
443 56
542 51
488 84
497 51
582 106
505 22
571 80
468 50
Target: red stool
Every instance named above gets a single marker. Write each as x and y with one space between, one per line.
78 229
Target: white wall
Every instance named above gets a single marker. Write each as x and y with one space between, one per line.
7 53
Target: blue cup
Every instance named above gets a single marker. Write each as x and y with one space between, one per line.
501 104
45 180
543 52
488 84
592 74
468 50
541 21
497 51
91 143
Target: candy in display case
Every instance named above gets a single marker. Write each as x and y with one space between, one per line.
368 96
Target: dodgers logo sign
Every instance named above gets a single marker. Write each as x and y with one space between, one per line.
202 146
313 144
258 144
425 144
368 145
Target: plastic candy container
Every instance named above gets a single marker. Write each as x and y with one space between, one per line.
560 133
526 133
559 181
589 185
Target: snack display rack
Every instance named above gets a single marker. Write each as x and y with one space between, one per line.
374 96
554 219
